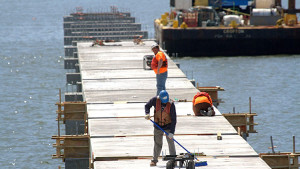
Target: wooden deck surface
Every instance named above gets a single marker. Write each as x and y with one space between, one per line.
213 163
139 126
116 88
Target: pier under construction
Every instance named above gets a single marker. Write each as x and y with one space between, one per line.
103 114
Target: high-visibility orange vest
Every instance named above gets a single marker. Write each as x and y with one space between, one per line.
154 63
162 117
202 97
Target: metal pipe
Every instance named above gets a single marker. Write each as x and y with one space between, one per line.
58 126
272 146
294 144
250 105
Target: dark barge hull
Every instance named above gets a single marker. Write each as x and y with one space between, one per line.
227 41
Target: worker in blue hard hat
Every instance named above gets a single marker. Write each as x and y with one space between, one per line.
165 117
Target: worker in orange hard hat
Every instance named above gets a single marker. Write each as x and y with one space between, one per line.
202 105
160 66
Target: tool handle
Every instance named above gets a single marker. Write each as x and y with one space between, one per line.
173 139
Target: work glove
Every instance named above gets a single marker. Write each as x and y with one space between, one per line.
147 117
203 112
170 135
209 112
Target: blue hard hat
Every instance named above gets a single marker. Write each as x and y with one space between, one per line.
164 96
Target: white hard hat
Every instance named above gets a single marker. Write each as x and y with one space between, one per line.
154 46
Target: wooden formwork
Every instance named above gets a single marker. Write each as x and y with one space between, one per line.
281 160
72 111
69 146
242 122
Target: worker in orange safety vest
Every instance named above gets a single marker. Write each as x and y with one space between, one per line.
202 105
160 66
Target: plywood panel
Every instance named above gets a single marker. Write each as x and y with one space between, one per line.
113 57
127 74
131 84
123 43
133 110
212 163
117 63
136 96
139 126
116 49
125 147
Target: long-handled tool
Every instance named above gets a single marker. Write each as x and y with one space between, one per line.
200 163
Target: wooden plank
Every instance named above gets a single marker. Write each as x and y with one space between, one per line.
136 96
132 84
70 107
116 49
118 63
124 44
139 126
128 147
113 57
213 163
127 74
236 120
276 161
133 110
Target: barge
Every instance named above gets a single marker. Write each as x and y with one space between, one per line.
219 30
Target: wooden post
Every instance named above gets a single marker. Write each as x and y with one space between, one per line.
251 124
86 123
58 153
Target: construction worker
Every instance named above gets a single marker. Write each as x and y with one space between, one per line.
202 105
165 117
98 42
138 40
160 66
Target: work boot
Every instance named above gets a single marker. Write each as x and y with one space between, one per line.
153 163
175 164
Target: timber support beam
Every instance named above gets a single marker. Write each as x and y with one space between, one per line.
281 160
242 122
